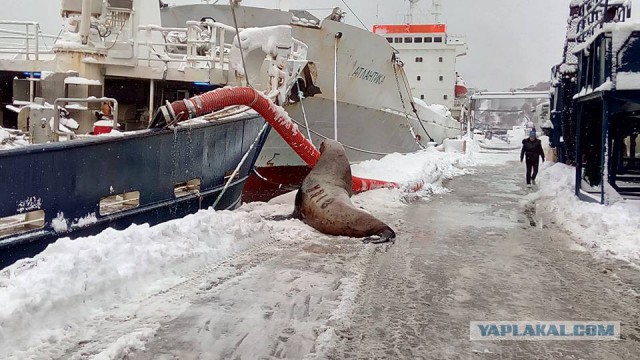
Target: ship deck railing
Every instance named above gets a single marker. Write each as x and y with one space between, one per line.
24 40
217 51
594 13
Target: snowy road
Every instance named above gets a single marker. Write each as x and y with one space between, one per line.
478 253
469 255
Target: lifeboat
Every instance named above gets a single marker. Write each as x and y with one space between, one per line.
461 88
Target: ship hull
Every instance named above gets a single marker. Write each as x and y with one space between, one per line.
366 133
67 180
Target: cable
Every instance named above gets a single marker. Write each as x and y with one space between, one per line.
346 146
413 106
413 132
281 186
304 114
235 23
237 169
354 14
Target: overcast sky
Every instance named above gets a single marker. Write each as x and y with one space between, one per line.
512 43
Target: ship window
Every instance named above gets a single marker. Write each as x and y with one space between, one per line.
445 97
187 188
418 78
19 223
417 40
390 40
440 59
119 202
437 39
441 78
398 40
419 59
428 39
421 97
408 40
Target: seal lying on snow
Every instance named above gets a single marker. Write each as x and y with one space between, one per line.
323 201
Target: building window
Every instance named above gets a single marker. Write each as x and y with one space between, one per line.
428 39
421 97
390 40
419 59
417 40
440 59
397 40
446 97
441 78
437 39
408 40
418 78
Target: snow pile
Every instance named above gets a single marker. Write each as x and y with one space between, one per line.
428 165
73 281
269 39
612 230
437 113
10 141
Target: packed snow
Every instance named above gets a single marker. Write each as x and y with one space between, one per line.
52 302
611 230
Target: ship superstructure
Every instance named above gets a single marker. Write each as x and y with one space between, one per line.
429 54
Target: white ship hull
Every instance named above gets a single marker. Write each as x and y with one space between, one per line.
375 115
366 133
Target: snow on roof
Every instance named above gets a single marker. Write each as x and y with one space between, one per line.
620 32
75 80
567 69
627 81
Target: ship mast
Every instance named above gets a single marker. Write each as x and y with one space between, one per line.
436 10
408 18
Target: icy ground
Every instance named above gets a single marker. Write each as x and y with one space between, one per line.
237 284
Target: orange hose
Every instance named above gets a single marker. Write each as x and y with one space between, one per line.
276 116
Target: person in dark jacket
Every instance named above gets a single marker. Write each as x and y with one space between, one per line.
532 148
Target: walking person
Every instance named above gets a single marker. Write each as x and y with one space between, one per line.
532 148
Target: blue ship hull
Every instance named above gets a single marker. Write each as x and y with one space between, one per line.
69 179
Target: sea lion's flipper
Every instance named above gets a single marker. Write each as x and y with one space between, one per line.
298 203
388 235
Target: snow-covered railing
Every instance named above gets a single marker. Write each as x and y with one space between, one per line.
56 112
197 43
299 50
595 13
23 38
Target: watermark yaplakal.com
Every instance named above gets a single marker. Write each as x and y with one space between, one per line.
544 330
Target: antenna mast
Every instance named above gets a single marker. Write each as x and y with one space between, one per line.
436 10
412 6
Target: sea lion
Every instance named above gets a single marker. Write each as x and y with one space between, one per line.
323 200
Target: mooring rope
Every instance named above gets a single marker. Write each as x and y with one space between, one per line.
237 169
404 108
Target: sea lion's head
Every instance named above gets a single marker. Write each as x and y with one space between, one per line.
330 145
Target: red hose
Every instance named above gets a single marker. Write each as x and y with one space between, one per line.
276 116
